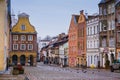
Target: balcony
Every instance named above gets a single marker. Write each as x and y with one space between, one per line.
103 33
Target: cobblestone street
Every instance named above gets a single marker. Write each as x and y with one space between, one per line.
48 72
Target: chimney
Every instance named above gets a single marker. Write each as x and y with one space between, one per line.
61 35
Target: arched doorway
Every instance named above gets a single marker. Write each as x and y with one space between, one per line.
22 60
14 59
30 60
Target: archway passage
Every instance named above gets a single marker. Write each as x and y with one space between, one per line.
22 60
14 59
31 60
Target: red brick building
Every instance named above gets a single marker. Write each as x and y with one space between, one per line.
77 40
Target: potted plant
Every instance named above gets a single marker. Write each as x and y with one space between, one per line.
20 68
15 70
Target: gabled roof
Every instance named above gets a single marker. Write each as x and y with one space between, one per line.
23 21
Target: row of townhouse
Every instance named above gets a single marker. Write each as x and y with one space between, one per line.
101 36
56 52
93 40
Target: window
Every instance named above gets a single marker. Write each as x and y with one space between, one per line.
22 47
22 27
82 47
94 30
91 59
94 45
100 11
100 26
44 44
23 37
111 42
112 8
97 43
15 46
88 44
30 46
109 9
113 24
88 31
104 12
30 37
104 25
104 42
15 37
97 29
82 32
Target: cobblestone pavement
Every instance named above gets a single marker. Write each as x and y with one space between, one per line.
48 72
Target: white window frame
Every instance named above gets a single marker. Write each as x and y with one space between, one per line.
22 38
14 46
23 27
22 45
29 47
15 37
30 37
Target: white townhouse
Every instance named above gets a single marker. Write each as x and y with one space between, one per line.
92 40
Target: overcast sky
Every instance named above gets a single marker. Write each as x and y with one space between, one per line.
52 17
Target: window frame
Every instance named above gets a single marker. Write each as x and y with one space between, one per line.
29 47
15 37
21 46
23 27
30 39
14 46
22 38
